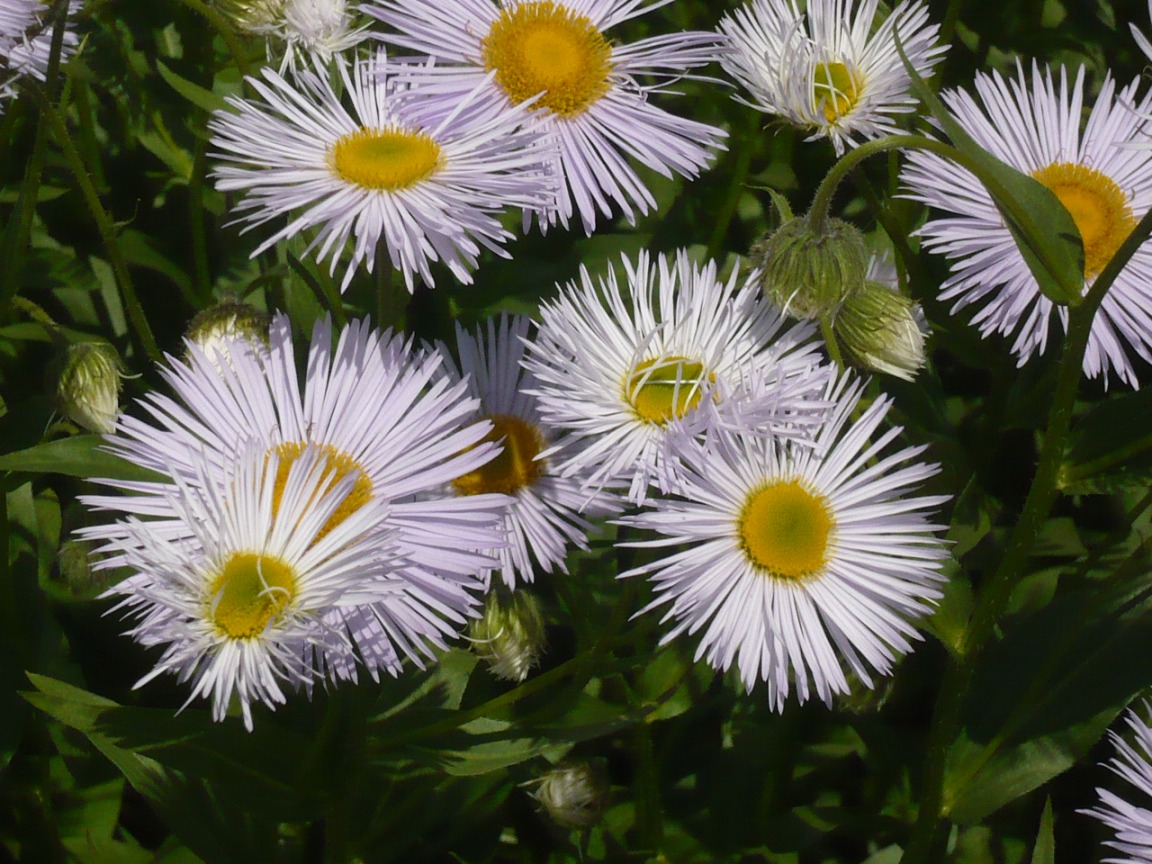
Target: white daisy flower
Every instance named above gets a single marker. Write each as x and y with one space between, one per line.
239 605
557 56
1036 128
618 369
26 41
543 518
425 188
378 412
1132 823
832 69
798 561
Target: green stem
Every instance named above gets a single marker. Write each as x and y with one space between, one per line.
107 230
738 177
391 293
202 276
929 831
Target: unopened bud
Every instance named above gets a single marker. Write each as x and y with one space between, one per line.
217 329
881 330
510 635
89 386
575 795
810 273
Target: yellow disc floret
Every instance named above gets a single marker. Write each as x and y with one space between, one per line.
1098 206
340 465
248 593
386 159
665 388
784 530
515 467
546 48
835 89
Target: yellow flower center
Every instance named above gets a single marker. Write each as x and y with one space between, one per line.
835 89
665 388
1098 206
340 465
250 591
544 47
514 467
784 530
388 159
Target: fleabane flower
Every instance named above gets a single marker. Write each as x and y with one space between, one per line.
1132 822
543 518
798 561
380 413
268 550
587 90
408 187
1034 125
298 31
619 366
26 41
832 69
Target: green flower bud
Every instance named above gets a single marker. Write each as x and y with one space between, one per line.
510 635
214 328
252 16
89 387
881 330
810 273
574 795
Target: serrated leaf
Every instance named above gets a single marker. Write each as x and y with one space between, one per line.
1042 227
78 456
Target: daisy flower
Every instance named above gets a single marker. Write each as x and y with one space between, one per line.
798 561
380 413
556 55
833 69
1035 126
425 188
543 518
239 606
26 41
618 368
1132 824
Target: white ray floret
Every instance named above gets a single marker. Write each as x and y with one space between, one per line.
377 174
543 519
585 88
830 69
379 411
1034 125
1131 821
798 561
26 41
619 366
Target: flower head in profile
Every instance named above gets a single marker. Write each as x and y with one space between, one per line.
879 328
586 89
1034 124
620 366
385 418
798 561
1132 822
238 605
299 30
26 41
543 519
410 187
833 69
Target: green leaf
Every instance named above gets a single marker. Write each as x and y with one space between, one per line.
1044 852
78 456
1042 227
194 93
1110 447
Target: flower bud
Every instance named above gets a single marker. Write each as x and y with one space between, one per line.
510 635
252 16
89 387
810 273
881 330
215 330
574 795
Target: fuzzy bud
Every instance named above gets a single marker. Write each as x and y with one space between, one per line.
810 273
510 635
89 387
216 329
574 796
881 330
